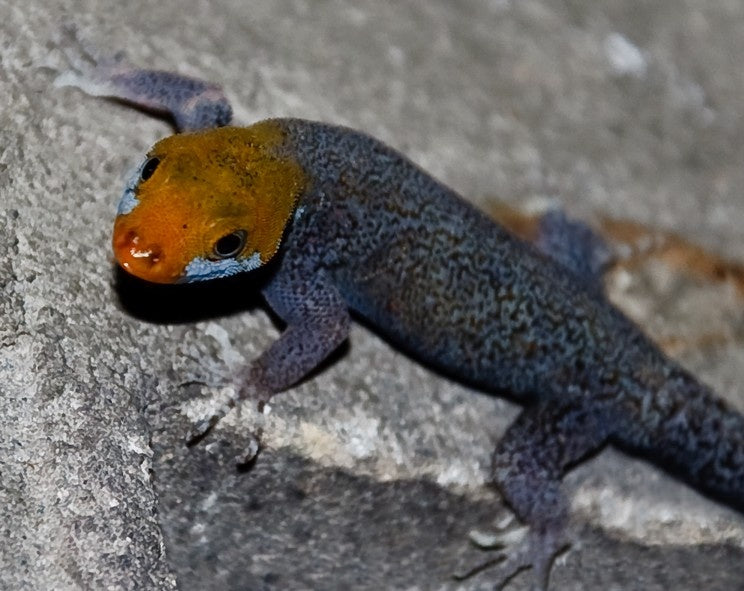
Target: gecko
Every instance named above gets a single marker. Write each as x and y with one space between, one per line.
342 224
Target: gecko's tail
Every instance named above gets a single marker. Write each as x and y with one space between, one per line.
689 431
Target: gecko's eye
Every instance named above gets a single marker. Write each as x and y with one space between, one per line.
230 245
148 168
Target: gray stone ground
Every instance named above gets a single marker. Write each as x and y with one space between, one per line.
373 470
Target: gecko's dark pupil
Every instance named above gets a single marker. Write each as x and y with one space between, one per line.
230 245
149 168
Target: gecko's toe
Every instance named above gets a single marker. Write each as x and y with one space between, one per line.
219 411
503 538
517 549
200 430
250 452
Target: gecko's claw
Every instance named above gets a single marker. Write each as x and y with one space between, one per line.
202 427
250 451
502 539
200 430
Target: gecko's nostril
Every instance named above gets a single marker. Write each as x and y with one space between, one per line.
129 245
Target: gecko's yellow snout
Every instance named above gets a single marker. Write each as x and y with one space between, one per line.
142 258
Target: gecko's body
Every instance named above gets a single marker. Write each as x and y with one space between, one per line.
345 223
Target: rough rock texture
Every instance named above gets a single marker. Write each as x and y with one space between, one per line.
373 471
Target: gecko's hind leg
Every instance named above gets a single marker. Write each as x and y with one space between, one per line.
528 465
194 104
574 245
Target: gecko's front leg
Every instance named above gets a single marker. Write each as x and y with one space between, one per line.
317 321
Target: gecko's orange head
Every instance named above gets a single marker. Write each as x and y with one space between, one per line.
207 205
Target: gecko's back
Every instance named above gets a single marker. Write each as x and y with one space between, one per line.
444 280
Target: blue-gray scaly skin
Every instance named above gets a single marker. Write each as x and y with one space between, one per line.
376 234
175 93
442 279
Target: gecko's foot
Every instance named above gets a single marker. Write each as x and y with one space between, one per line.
575 245
249 451
248 392
87 70
203 427
239 451
517 549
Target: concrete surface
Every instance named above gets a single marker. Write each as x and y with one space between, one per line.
373 470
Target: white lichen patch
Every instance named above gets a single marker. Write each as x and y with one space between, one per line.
360 442
322 446
626 59
461 474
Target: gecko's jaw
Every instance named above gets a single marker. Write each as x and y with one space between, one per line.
141 258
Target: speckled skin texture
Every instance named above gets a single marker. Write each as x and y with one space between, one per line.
436 276
374 234
174 92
